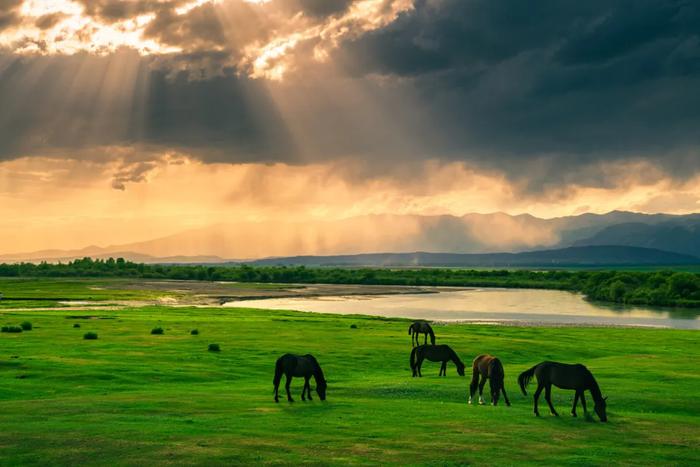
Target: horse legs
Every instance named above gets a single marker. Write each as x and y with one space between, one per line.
303 390
277 398
548 398
481 389
505 396
308 387
583 403
473 385
425 342
573 409
537 396
443 369
419 363
286 386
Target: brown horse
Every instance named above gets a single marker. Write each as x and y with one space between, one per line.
488 367
421 327
576 377
435 353
305 366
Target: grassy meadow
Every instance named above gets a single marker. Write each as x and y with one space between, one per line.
133 398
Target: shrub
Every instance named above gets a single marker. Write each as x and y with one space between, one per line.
76 325
157 330
194 332
26 326
214 348
353 326
90 336
11 329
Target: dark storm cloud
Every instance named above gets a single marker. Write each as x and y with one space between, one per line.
571 82
315 7
544 91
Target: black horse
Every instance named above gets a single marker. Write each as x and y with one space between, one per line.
435 353
488 367
421 327
564 376
304 366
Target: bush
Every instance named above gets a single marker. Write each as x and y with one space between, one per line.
11 329
76 325
90 336
353 326
157 330
26 326
194 332
214 348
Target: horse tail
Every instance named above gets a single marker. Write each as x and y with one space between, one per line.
525 377
279 369
432 334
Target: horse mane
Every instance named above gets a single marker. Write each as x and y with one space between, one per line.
318 372
432 334
455 358
595 389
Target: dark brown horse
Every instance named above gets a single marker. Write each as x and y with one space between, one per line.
421 327
564 376
488 367
304 366
435 353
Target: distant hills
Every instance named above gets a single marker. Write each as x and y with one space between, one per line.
572 256
472 239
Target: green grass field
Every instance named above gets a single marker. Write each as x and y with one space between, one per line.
135 398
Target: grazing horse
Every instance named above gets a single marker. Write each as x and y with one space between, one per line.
576 377
304 366
421 327
435 353
488 367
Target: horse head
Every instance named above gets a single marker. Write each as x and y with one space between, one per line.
321 389
600 409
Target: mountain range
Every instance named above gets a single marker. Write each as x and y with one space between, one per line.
462 238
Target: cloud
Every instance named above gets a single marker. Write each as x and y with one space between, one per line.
552 94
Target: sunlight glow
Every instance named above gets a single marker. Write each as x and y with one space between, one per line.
273 59
75 32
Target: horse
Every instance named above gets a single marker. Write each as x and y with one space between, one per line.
304 366
434 353
564 376
491 368
421 327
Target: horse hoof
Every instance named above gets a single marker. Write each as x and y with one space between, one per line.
469 401
573 414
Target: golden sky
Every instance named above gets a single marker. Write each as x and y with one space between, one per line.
127 120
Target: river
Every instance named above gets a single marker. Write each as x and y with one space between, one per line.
488 305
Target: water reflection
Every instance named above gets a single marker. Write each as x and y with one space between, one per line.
489 305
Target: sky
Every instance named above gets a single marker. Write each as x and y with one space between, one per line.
126 120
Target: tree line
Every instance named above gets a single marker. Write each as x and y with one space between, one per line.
660 288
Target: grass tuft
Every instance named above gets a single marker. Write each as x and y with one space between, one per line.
11 329
214 348
157 330
76 325
194 332
26 326
90 336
